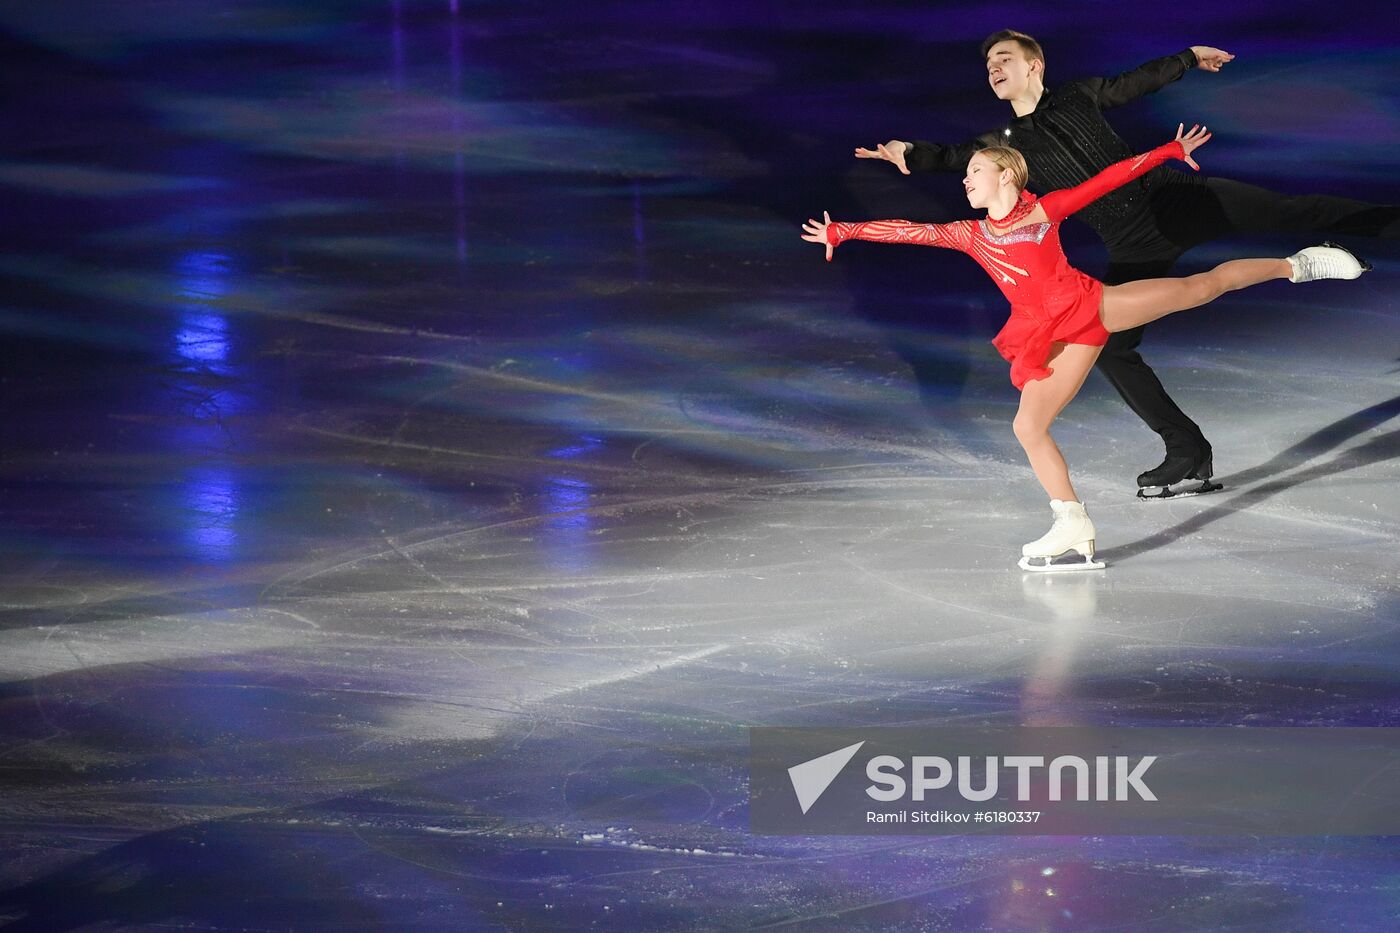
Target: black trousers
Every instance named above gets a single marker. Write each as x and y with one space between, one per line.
1192 211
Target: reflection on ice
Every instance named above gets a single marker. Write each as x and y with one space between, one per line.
211 500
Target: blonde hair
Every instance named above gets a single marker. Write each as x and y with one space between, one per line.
1004 157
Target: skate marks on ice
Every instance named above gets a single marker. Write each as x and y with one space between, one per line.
1377 450
421 857
822 599
1324 440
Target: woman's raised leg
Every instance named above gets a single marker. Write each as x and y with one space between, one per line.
1042 400
1133 304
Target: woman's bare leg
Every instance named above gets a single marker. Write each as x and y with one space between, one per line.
1135 303
1042 400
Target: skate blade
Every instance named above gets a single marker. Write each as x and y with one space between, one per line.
1192 488
1069 563
1365 266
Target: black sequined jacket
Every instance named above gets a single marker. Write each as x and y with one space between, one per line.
1066 140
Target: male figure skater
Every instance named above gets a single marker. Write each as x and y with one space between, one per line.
1145 225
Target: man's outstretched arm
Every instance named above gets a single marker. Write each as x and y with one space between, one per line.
1153 76
920 156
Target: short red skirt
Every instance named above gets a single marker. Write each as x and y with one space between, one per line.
1029 334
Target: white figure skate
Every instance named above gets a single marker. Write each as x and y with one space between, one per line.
1072 532
1328 261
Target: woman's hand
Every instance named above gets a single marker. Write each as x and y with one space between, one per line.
1191 141
892 152
815 232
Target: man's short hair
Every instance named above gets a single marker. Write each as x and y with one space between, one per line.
1028 45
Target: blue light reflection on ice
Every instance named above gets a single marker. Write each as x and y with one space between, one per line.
565 500
203 275
209 493
202 278
203 338
211 500
587 443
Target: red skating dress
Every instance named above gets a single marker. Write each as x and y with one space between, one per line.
1051 301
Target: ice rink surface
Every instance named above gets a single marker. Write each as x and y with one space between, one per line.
429 448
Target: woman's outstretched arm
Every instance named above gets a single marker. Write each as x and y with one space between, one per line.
834 233
1060 204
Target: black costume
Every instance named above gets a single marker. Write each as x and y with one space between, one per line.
1149 223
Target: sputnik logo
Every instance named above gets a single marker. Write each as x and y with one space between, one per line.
811 778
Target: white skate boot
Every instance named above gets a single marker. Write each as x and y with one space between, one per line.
1072 531
1328 261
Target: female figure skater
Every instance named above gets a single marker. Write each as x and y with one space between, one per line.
1061 316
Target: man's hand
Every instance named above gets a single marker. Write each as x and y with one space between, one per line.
892 151
1209 59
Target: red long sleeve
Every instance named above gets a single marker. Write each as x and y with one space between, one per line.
1060 204
956 235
